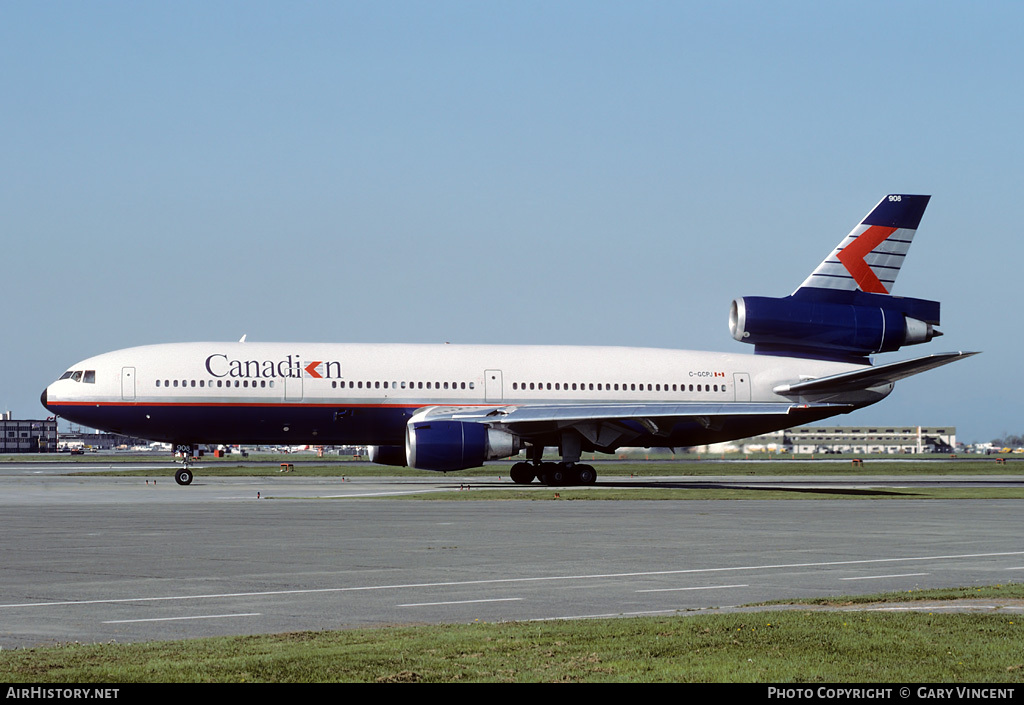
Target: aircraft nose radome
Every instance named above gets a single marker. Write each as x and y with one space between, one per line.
42 398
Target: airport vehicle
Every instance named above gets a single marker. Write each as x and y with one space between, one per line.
453 407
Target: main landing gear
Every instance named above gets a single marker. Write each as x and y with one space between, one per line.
553 474
568 472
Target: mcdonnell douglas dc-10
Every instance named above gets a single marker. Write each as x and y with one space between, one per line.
453 407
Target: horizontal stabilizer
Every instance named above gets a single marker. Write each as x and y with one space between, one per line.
870 376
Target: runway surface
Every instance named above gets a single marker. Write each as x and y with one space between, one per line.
96 559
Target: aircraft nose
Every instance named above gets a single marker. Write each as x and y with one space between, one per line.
42 398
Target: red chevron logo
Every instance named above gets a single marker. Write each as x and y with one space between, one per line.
852 256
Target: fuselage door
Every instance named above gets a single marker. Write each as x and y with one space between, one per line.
293 388
127 384
741 386
492 385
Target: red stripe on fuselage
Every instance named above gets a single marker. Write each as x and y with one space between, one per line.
283 405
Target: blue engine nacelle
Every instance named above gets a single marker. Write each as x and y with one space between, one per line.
445 445
857 327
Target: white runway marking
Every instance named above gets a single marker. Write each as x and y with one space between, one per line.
509 581
179 619
642 613
705 587
461 602
883 577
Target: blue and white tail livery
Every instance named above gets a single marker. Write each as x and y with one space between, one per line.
454 407
870 257
844 310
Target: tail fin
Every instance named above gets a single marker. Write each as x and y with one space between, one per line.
845 309
870 257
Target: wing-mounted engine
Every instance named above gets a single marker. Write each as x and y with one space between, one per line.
832 325
443 444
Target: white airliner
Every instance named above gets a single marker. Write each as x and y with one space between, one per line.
453 407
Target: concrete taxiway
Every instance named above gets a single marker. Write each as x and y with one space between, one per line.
96 559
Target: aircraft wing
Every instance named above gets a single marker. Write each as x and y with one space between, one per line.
570 413
610 425
869 377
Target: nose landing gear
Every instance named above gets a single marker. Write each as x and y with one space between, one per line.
187 452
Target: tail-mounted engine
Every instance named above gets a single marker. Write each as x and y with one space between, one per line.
840 325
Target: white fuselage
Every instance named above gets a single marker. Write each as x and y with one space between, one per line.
269 392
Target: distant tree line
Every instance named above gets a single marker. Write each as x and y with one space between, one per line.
1009 441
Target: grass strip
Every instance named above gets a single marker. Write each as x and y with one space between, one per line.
766 646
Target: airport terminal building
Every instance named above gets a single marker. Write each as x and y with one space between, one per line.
27 436
824 440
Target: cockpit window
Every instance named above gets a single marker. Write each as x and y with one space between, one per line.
89 377
76 376
67 374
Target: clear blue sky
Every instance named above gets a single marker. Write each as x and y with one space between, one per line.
538 172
